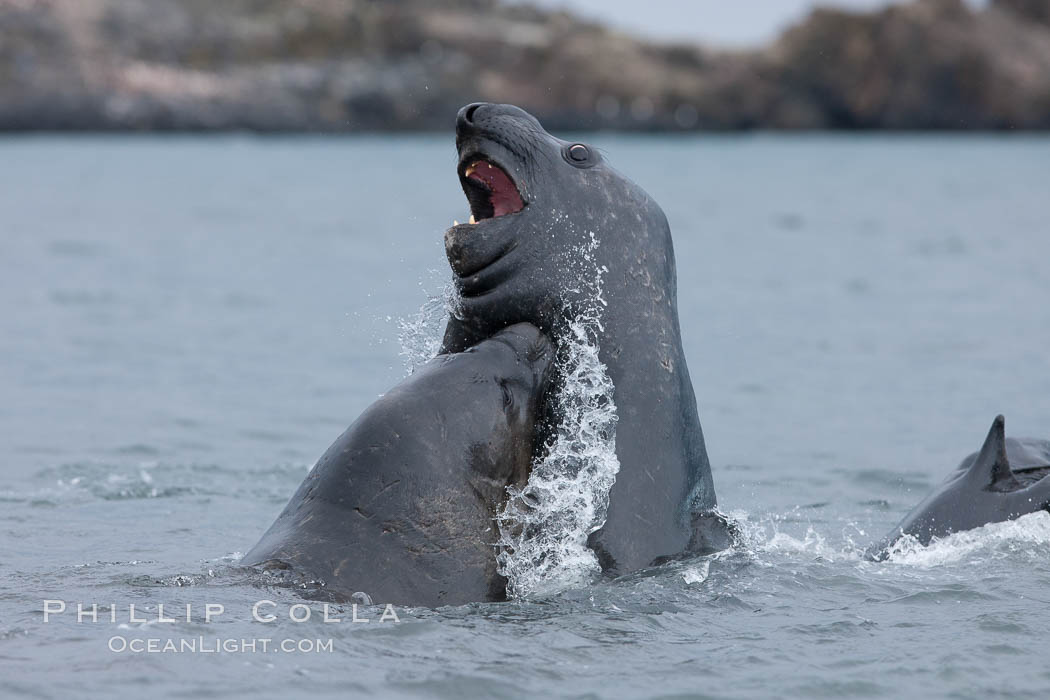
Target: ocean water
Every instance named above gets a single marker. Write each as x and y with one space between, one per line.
186 323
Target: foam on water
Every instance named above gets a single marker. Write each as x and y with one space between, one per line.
763 536
994 540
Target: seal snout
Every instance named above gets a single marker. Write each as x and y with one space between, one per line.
465 116
484 115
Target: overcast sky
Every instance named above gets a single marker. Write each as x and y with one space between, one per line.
725 22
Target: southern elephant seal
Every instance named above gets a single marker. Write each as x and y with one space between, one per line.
546 213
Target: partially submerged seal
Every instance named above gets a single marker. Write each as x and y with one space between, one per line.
1004 480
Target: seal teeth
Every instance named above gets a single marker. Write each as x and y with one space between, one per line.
472 219
455 223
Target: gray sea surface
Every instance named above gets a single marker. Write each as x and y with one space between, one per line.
186 323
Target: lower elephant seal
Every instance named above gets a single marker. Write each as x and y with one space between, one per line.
1005 480
402 505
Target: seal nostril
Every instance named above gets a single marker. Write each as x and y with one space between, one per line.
466 116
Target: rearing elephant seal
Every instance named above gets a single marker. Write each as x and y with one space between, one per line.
540 205
401 506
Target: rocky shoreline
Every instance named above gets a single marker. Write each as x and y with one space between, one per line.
365 65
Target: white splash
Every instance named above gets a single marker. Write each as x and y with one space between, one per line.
1026 534
544 526
994 538
419 335
697 573
764 536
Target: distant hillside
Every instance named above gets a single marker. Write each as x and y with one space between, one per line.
348 65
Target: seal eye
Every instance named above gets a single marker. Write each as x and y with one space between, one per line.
579 155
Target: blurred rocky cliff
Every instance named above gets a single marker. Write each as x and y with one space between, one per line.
346 65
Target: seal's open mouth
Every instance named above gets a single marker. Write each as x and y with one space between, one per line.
490 191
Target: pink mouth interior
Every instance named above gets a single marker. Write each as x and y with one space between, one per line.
503 195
